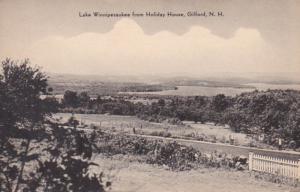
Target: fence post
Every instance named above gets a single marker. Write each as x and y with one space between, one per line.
299 169
251 161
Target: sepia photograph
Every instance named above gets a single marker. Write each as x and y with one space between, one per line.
149 96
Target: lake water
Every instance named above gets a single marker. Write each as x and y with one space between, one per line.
264 86
197 90
212 91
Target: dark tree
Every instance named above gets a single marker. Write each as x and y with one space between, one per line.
84 99
71 99
219 102
26 126
21 88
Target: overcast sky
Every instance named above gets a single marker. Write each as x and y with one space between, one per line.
257 36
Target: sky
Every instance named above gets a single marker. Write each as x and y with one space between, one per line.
258 36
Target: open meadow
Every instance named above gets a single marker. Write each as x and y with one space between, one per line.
189 129
128 175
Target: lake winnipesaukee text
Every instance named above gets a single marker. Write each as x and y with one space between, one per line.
156 14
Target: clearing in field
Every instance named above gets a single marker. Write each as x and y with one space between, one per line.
208 132
130 175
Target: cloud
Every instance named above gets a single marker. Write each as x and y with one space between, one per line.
126 49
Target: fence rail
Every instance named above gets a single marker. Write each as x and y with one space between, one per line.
274 165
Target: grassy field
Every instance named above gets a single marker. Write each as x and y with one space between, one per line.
126 124
128 174
131 173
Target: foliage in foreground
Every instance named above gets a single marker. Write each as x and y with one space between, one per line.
37 154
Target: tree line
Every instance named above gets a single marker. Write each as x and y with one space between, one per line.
272 114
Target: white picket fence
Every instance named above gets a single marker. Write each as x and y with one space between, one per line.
273 165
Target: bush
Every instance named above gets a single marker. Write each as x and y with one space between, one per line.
161 133
171 154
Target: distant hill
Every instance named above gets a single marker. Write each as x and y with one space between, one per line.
97 84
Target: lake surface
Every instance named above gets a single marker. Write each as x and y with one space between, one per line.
264 86
212 91
198 90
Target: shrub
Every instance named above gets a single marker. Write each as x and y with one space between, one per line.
173 155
